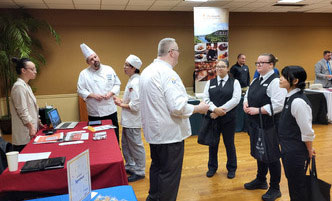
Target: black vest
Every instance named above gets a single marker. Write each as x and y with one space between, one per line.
257 97
220 95
289 131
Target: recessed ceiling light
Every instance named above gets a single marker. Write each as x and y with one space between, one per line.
197 0
289 1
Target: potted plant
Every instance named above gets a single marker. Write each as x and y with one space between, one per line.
17 39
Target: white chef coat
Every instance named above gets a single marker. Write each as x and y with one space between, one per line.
131 118
164 108
99 81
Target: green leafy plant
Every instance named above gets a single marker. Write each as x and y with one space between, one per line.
18 39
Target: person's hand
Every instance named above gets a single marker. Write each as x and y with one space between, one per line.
245 107
202 108
32 132
312 152
98 97
252 110
117 101
219 111
108 95
213 115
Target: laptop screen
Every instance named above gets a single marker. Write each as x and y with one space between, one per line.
54 117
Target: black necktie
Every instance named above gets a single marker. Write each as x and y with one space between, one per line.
220 82
260 80
286 100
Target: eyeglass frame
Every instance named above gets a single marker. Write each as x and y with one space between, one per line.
174 50
33 70
262 62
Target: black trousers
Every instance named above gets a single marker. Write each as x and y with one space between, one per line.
165 171
294 166
275 173
113 117
228 131
18 148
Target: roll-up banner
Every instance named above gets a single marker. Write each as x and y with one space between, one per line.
211 42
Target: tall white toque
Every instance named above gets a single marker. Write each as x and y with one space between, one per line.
86 50
134 61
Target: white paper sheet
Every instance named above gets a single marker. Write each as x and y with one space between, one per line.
33 156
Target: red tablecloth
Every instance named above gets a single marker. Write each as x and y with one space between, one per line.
106 165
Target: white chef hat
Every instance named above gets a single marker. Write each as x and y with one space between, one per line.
86 50
134 61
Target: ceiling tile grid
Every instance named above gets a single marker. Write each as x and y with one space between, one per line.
314 6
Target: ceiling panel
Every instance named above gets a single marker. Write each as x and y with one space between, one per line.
87 6
60 6
112 2
160 8
112 7
138 7
323 6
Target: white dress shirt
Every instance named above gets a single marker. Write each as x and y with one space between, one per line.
131 118
164 109
229 105
273 91
301 111
99 81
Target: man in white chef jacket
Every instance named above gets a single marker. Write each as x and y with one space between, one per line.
96 85
165 120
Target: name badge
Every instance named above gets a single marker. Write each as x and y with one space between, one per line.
265 85
211 87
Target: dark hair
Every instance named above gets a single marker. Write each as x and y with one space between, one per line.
326 52
238 56
20 63
272 58
290 73
137 71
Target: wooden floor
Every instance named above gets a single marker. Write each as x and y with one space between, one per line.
195 186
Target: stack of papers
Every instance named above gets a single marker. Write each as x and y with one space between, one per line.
77 135
57 137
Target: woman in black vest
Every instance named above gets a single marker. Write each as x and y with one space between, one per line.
223 94
263 94
295 131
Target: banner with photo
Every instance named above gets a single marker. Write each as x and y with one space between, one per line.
211 42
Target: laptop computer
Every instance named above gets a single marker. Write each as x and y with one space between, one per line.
56 121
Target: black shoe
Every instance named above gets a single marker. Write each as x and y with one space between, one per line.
271 195
135 177
210 173
255 184
231 174
129 172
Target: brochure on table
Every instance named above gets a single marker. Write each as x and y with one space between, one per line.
79 179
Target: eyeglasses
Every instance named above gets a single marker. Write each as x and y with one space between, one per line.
32 69
261 63
221 66
174 50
